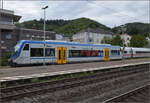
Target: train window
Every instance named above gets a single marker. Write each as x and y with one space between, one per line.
131 51
125 52
59 52
36 52
50 52
101 53
64 56
47 52
26 47
118 52
115 52
74 53
85 53
142 52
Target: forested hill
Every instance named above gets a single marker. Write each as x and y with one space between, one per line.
70 27
67 27
134 29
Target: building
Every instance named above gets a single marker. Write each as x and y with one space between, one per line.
7 19
66 38
91 36
33 34
10 35
126 39
59 37
63 37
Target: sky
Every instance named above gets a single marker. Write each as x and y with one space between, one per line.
109 13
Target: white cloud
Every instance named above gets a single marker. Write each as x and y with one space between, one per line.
109 13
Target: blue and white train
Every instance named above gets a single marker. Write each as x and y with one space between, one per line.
28 52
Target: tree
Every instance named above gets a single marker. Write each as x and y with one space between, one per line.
106 40
117 40
64 26
138 41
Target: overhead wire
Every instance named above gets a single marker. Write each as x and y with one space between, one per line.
122 15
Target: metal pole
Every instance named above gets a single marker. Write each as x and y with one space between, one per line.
44 42
2 4
44 36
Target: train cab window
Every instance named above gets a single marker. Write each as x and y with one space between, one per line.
26 47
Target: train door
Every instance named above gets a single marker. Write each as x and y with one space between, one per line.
61 55
64 55
25 54
107 54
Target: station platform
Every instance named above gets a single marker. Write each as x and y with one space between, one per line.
17 73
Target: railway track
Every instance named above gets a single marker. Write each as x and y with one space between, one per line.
101 78
138 95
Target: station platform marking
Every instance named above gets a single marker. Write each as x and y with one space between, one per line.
5 79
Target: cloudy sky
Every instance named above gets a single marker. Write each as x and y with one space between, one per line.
110 13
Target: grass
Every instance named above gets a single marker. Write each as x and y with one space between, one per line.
37 80
122 68
4 67
56 78
3 85
34 80
1 73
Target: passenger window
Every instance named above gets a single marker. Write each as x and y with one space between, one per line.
36 52
125 52
26 47
50 52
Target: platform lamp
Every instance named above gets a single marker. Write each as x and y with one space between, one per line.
44 8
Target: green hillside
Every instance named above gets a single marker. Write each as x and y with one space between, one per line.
67 27
134 28
70 27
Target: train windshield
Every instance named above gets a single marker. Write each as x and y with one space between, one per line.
16 49
17 46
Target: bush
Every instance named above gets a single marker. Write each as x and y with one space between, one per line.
4 60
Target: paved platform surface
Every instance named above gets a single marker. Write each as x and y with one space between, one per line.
23 71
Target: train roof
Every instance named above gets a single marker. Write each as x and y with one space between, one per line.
141 49
137 49
67 43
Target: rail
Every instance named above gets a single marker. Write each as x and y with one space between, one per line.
119 96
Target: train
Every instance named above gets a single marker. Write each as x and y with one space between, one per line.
30 52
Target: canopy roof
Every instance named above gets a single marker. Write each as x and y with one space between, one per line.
9 13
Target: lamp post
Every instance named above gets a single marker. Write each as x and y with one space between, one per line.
1 3
44 8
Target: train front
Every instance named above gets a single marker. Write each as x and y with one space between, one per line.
15 54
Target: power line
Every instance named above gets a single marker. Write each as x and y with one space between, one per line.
119 14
